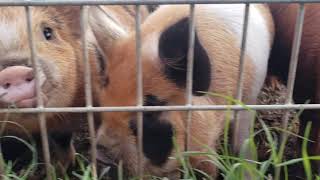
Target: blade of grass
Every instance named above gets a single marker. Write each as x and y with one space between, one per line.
306 161
120 171
297 160
285 169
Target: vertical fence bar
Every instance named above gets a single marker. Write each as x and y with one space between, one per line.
190 74
88 87
293 64
237 123
295 54
291 79
139 92
41 115
243 50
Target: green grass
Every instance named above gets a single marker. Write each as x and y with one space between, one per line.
231 166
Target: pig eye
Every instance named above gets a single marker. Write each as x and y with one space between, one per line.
47 33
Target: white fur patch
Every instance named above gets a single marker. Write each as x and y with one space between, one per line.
258 46
9 35
258 35
149 47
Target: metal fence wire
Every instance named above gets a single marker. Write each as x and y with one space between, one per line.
139 108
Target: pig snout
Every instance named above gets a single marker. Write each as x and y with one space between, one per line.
17 85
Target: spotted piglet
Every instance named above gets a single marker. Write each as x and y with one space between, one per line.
164 49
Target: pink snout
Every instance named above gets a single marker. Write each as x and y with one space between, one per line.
17 85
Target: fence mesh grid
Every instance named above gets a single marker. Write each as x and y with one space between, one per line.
89 109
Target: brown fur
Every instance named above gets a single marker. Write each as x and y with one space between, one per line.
206 126
60 60
125 15
307 77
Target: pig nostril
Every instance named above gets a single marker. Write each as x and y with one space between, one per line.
29 79
6 85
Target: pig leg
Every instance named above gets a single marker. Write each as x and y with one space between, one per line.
62 150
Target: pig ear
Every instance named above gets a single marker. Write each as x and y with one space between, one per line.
173 52
104 28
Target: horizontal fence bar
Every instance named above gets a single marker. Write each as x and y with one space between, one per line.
163 108
139 2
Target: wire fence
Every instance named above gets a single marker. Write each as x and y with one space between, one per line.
141 2
188 107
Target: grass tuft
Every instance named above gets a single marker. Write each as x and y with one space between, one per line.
231 166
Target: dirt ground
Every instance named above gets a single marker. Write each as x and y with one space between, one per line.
274 92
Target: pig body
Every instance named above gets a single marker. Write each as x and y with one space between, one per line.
307 81
57 38
164 46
